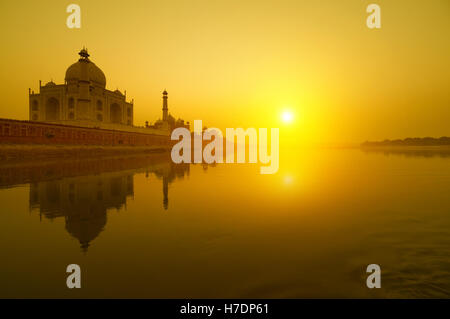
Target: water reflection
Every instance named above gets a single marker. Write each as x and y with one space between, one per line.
308 231
442 152
81 192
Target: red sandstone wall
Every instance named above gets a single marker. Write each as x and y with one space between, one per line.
26 132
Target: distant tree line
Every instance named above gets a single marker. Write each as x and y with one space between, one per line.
411 141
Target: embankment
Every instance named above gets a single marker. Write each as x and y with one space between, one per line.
34 152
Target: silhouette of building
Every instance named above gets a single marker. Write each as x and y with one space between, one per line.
168 122
82 100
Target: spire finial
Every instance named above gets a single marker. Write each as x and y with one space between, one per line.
84 53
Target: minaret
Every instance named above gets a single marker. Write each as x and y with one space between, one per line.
165 108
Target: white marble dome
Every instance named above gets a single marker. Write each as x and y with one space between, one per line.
85 70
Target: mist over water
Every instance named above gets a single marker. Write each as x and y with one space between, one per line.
144 227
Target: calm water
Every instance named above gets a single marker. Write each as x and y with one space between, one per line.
143 227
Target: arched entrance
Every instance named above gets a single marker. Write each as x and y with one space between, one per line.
52 109
115 113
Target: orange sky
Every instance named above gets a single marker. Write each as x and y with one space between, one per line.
241 63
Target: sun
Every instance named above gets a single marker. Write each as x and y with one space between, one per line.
287 116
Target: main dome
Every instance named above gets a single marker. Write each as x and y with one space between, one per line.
85 70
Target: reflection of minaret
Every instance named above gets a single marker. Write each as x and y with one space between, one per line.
165 107
168 174
166 192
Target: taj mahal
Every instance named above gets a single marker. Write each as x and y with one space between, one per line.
83 100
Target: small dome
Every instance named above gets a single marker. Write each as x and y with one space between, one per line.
51 83
85 70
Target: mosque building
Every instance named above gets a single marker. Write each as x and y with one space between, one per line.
83 100
168 121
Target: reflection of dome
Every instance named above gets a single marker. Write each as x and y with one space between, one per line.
85 70
86 225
